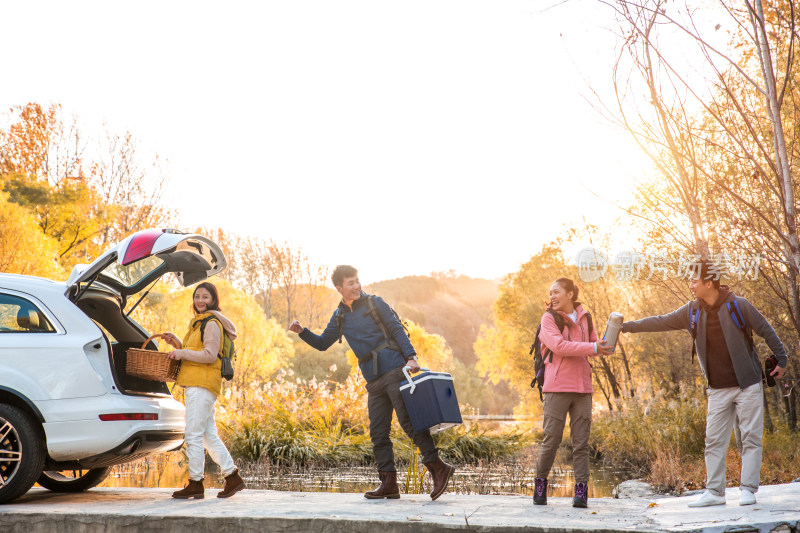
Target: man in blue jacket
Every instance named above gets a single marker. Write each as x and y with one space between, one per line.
379 340
732 369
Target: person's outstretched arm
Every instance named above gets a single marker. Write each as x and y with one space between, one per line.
676 320
319 342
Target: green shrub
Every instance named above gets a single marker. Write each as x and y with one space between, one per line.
321 423
474 443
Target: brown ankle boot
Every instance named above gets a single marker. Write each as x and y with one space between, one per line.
194 489
441 473
388 488
233 484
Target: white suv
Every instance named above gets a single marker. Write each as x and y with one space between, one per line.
68 410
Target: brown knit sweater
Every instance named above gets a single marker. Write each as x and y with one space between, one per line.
720 367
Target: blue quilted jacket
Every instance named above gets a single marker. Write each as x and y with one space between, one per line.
363 335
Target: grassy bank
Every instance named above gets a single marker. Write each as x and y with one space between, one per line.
663 443
291 422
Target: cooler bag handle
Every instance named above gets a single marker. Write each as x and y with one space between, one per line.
406 370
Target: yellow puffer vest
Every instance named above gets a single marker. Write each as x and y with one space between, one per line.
194 374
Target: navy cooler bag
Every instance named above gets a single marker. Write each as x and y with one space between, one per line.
431 401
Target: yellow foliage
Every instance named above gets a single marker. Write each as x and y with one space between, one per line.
24 248
432 350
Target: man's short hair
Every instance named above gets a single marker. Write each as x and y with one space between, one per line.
706 270
341 272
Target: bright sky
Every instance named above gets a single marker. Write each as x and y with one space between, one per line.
402 137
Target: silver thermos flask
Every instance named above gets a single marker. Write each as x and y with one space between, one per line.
613 328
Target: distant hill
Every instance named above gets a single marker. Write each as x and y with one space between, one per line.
451 306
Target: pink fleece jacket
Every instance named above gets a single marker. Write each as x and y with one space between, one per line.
570 370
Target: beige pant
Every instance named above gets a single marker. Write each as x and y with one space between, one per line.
724 405
556 407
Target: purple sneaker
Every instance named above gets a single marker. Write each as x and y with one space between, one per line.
540 491
581 495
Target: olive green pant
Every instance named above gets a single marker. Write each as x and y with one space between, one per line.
556 407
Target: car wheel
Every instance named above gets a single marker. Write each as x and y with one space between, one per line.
72 480
22 452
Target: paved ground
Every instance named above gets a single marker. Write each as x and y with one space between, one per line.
152 510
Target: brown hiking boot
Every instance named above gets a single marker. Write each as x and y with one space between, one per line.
388 488
194 489
441 473
233 484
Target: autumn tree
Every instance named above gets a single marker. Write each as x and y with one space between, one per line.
284 281
85 199
41 146
24 248
725 169
254 270
133 189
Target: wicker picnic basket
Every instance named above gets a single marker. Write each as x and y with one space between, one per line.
151 364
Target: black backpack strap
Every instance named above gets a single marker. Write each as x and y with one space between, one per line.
388 342
204 322
559 320
591 323
739 321
339 317
736 314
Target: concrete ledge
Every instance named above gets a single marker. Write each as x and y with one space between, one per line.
153 510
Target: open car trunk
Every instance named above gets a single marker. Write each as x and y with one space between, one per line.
120 333
101 289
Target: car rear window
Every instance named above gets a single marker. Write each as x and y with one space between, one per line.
130 275
18 315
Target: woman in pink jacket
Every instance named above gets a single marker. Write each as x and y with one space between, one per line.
567 386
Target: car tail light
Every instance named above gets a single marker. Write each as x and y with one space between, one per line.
129 416
141 245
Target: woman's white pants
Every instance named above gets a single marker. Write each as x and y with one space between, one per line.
201 429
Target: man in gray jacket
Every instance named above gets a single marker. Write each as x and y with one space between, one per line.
733 372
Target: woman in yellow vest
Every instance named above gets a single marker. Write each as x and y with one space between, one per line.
200 377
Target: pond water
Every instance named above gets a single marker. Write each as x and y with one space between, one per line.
509 477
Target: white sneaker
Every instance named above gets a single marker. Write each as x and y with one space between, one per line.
708 499
746 497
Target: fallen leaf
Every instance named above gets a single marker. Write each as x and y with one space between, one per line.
594 512
653 504
448 514
415 518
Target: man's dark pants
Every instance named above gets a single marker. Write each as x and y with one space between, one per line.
383 397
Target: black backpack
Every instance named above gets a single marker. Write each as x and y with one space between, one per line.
540 355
